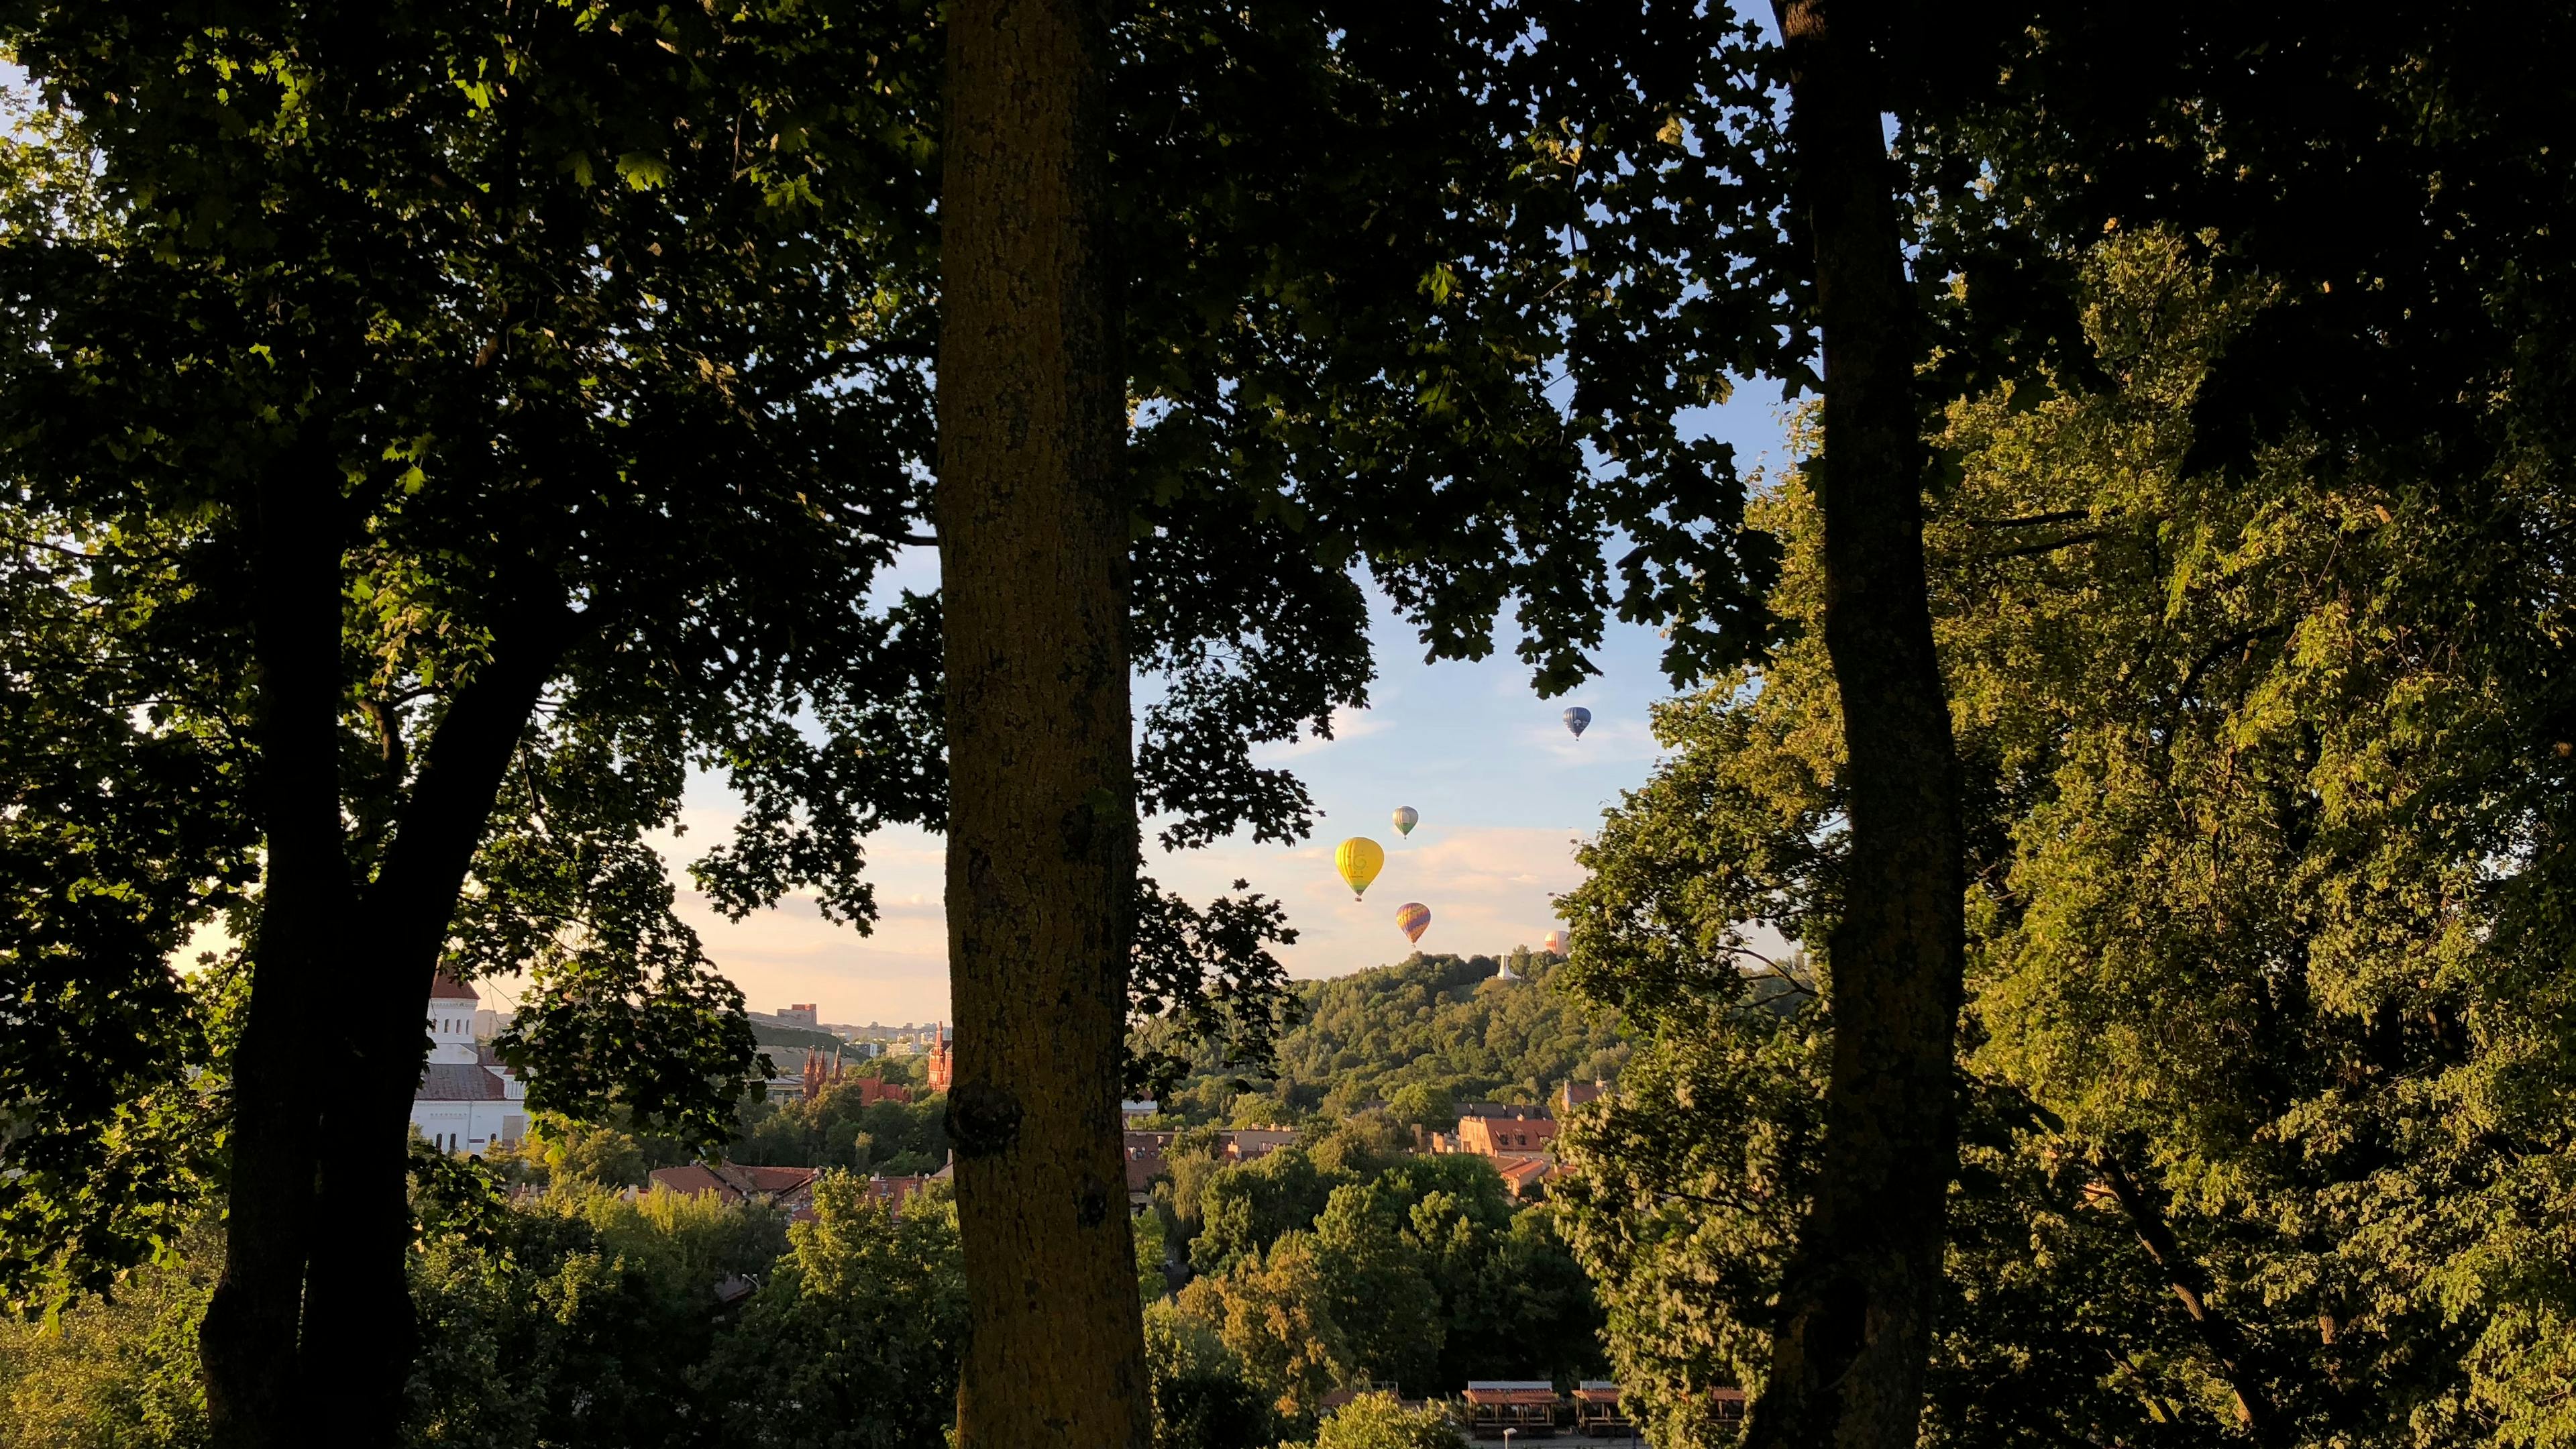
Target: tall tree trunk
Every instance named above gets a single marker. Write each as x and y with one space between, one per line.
359 1334
248 1341
1041 820
1856 1305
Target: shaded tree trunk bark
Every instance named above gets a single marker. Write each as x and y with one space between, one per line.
1042 828
359 1333
310 1335
248 1341
1856 1305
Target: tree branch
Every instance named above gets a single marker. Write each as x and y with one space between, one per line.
2183 1275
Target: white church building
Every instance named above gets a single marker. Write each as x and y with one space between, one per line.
467 1102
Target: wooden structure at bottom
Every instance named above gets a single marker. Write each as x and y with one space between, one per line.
1597 1414
1526 1407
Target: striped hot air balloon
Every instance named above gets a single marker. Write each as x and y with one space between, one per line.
1555 943
1406 817
1359 859
1413 918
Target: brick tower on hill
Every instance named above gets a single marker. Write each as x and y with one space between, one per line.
942 1066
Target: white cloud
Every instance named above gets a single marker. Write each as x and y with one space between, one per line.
1348 725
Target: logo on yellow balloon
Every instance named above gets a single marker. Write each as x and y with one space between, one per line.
1359 859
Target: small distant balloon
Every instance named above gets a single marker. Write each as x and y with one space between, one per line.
1578 719
1413 918
1359 859
1555 943
1406 817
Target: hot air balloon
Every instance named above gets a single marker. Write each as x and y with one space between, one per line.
1413 918
1578 719
1359 859
1406 817
1555 943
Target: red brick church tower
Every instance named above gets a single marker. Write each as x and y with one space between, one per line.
941 1066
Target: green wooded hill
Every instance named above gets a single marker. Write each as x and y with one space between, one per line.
1422 1033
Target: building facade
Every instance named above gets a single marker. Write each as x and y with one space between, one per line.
1489 1130
942 1067
467 1101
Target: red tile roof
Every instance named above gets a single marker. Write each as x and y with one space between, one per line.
444 987
1511 1391
1144 1164
734 1182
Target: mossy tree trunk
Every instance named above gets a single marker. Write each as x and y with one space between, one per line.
1042 828
1854 1331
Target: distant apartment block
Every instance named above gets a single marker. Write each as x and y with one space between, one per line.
804 1014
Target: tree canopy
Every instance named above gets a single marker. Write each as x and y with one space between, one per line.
2248 977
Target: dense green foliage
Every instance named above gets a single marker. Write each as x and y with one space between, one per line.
1341 1259
1378 1421
835 1130
2260 929
113 1373
577 1318
1422 1036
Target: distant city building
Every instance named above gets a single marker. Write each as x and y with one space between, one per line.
467 1101
1133 1110
943 1066
489 1023
1520 1141
1145 1155
791 1188
804 1014
895 1191
1491 1130
821 1074
1525 1178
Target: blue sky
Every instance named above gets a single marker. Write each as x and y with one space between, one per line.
1503 790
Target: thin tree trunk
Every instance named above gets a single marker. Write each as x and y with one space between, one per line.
248 1340
359 1333
2182 1274
1856 1305
1041 821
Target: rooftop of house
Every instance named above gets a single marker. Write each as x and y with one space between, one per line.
1503 1111
733 1181
444 987
459 1082
1510 1391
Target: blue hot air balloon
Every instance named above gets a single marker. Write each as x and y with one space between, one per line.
1577 719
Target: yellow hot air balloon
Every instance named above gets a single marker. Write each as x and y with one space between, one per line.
1413 918
1359 859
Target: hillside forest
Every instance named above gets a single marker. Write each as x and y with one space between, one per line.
1416 1037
